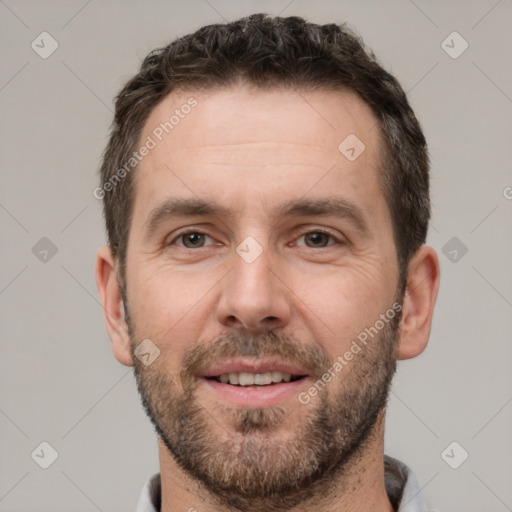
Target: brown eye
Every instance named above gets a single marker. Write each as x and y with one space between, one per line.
317 239
193 240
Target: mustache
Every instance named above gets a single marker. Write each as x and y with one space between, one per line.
270 344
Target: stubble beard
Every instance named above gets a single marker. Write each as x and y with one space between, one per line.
263 459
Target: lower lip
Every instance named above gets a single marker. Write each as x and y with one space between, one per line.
256 398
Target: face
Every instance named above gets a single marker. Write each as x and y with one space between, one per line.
259 258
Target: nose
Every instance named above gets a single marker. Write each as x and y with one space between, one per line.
253 297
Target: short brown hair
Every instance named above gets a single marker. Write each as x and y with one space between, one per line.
268 52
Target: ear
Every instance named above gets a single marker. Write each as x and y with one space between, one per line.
419 301
113 307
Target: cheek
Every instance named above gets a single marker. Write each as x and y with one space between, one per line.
339 306
166 307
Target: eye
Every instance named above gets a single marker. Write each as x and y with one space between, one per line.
191 240
317 239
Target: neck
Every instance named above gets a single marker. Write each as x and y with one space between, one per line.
360 488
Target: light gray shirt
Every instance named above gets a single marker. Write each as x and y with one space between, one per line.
401 485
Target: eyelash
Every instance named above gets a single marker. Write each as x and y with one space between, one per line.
199 232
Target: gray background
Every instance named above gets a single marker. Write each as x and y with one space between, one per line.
59 380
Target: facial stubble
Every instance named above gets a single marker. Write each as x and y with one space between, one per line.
241 456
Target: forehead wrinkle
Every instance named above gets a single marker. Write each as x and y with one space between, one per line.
256 142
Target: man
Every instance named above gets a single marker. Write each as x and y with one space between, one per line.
266 196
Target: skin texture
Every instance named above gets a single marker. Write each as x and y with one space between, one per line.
251 151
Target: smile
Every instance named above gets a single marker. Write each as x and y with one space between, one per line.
255 380
254 383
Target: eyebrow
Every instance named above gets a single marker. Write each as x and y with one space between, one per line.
194 207
178 207
325 207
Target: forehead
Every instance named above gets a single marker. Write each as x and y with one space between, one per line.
240 142
310 118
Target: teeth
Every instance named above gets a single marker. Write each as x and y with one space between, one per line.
246 379
277 376
252 379
262 379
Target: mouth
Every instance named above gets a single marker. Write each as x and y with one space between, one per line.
252 383
255 380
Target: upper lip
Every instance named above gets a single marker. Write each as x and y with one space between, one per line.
251 365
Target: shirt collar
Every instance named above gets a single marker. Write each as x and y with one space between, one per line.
401 485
